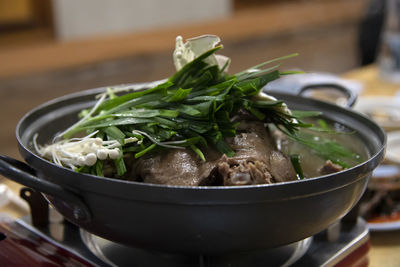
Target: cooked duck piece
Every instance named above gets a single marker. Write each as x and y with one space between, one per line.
330 167
243 172
256 161
175 167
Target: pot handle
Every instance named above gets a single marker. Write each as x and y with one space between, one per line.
23 174
351 96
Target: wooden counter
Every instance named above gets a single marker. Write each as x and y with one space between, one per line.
256 22
373 83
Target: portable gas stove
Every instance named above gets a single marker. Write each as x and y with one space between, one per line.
38 241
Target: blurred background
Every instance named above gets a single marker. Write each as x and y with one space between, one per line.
49 48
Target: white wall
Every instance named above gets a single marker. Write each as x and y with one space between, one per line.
75 19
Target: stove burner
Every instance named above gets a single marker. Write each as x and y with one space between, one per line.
120 255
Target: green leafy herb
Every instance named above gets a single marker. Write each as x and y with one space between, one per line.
295 160
193 108
120 166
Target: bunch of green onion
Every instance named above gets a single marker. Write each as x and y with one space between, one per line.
192 109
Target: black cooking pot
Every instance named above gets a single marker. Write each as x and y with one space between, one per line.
191 219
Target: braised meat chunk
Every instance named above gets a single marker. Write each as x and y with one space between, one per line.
330 167
175 167
256 161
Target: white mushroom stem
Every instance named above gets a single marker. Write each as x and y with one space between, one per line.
83 151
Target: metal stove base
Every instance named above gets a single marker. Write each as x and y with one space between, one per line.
343 245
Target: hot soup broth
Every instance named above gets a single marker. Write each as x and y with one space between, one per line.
311 161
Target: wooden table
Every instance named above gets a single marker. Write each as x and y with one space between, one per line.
373 84
385 250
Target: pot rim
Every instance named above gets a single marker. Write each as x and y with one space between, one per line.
31 157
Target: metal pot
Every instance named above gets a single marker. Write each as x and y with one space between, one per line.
191 219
